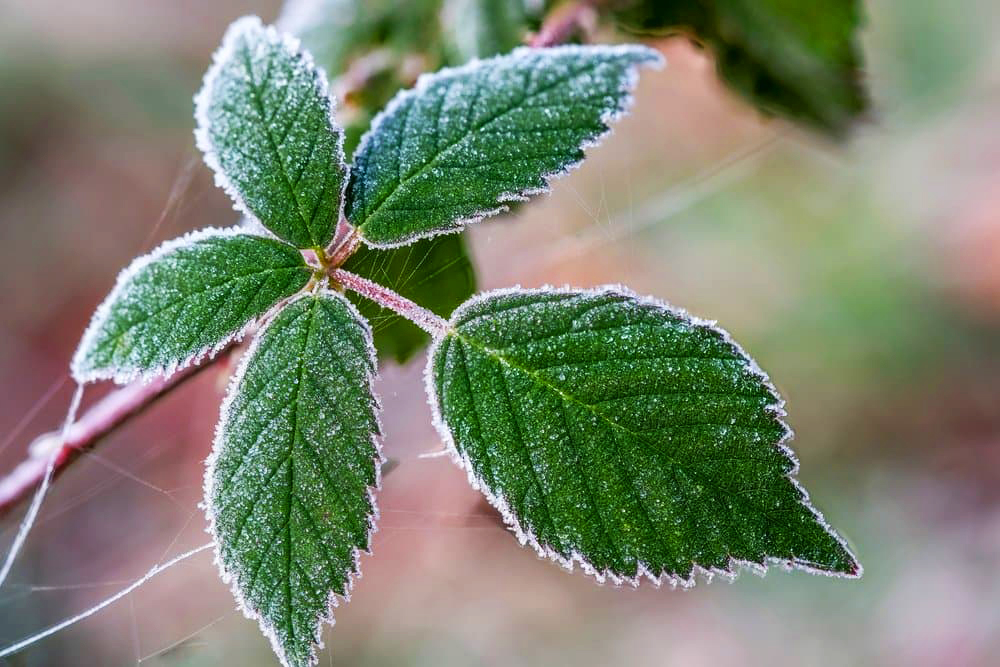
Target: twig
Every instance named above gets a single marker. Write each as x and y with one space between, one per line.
397 303
565 21
346 242
98 421
121 405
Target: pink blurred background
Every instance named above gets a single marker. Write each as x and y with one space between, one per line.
865 278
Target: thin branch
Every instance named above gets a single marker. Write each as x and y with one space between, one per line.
397 303
565 21
345 244
120 406
98 421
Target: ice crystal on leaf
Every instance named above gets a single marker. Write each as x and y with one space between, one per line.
625 435
296 459
265 125
466 140
184 300
610 430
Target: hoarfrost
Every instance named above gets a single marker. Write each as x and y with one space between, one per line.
537 392
466 141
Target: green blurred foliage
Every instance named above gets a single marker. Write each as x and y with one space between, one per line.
790 58
484 28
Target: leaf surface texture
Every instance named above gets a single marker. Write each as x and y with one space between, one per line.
617 432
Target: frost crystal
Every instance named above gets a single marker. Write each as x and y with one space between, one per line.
265 125
186 299
289 486
464 141
625 435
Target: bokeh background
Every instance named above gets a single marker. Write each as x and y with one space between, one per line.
864 277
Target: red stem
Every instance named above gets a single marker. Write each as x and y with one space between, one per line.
565 21
386 298
98 421
122 404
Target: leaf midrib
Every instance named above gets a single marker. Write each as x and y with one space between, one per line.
258 103
679 466
228 282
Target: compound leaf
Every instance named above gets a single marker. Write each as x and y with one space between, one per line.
466 140
289 485
437 273
186 299
799 60
618 432
265 126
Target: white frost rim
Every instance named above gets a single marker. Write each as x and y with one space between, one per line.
202 101
642 56
228 577
526 537
126 374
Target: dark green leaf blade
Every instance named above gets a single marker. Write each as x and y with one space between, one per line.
794 59
185 300
437 273
466 141
289 486
625 435
265 126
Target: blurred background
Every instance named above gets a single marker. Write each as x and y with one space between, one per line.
864 277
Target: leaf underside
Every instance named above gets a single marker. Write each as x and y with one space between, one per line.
184 299
794 59
265 126
620 433
464 141
289 488
437 273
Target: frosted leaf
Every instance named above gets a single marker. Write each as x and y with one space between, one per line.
620 433
289 486
464 141
186 299
265 125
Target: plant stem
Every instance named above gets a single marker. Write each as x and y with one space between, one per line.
346 242
98 421
118 407
397 303
565 21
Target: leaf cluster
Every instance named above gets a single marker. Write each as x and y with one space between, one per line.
610 430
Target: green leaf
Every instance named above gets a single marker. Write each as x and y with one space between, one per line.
795 59
369 47
618 432
484 28
289 486
436 273
185 300
337 31
465 141
265 126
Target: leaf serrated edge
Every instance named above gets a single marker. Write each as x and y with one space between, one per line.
202 100
229 578
527 538
629 79
124 376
